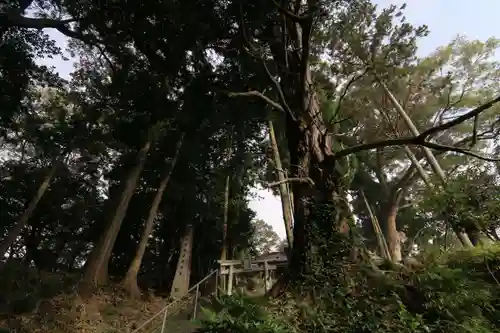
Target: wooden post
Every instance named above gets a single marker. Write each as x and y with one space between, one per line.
217 277
230 280
266 276
247 262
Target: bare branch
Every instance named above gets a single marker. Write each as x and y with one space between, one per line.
409 153
292 180
278 89
255 93
471 114
344 93
34 23
252 50
410 141
459 150
47 23
420 140
410 172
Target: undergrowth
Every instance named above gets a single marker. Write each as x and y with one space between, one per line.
456 292
37 301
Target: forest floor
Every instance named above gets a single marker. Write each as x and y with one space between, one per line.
33 301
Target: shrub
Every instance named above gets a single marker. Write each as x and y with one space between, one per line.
240 314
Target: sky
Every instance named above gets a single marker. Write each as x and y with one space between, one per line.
445 18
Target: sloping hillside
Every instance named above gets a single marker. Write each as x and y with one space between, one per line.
33 301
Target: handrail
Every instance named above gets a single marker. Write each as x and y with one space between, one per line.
175 301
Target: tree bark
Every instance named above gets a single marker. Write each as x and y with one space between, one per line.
130 280
96 268
392 233
224 251
475 237
286 205
319 208
418 166
225 245
16 231
464 239
381 240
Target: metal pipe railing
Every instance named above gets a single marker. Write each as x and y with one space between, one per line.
163 324
196 301
164 311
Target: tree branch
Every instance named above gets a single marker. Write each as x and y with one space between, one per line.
48 23
34 23
471 114
459 150
410 141
485 135
420 140
252 50
292 180
260 95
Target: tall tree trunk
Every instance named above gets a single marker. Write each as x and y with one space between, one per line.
475 236
224 251
225 241
180 283
16 231
96 268
381 240
414 131
286 205
290 193
392 233
418 166
464 239
320 208
427 152
130 280
320 204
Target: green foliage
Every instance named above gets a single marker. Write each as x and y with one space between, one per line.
264 239
454 292
470 201
239 314
460 290
433 89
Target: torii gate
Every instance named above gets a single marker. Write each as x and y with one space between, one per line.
266 264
